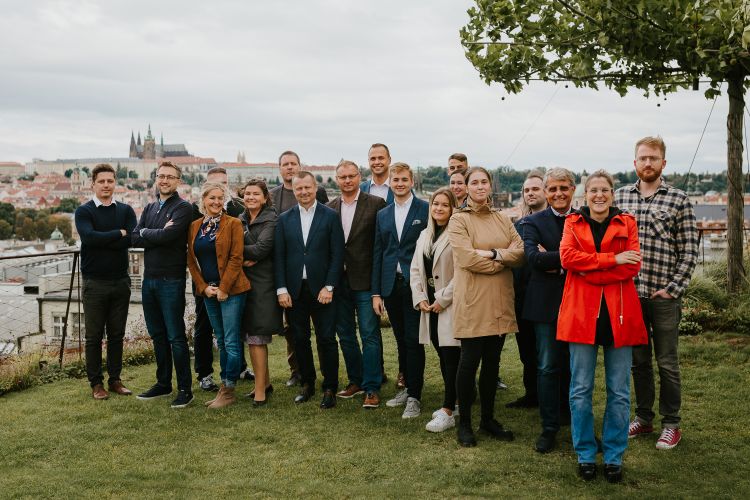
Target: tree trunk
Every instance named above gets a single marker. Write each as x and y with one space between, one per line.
735 186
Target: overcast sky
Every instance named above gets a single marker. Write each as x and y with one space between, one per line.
326 78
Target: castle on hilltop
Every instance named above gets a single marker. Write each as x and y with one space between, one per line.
150 150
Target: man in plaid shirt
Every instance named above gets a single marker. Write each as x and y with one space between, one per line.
669 247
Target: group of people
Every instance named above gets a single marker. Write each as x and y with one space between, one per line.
566 281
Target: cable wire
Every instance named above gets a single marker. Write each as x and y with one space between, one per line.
515 148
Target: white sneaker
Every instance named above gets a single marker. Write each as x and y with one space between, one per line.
440 410
207 384
440 422
413 408
399 399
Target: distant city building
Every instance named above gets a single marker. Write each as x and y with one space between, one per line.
150 150
11 169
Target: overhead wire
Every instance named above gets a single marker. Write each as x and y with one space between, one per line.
515 148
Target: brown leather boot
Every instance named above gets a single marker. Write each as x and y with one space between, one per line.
218 395
224 398
98 392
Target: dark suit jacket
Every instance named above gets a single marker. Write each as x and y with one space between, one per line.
322 256
545 289
364 186
283 199
358 254
388 250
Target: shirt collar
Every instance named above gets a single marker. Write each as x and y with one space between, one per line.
99 203
663 186
386 183
308 211
405 204
558 214
355 200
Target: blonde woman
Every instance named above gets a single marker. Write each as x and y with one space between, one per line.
431 280
485 245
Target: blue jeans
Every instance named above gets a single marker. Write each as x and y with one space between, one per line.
553 377
163 309
362 366
616 413
226 320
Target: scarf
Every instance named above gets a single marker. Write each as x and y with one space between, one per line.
209 227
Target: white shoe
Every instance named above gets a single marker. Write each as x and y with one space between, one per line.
440 410
398 400
413 408
441 422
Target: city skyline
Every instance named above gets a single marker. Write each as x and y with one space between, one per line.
325 79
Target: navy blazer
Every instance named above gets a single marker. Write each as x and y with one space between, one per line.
389 250
322 256
364 186
547 278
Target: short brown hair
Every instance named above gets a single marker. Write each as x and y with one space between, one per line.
401 167
535 174
102 167
600 174
256 181
170 165
346 163
289 153
381 145
459 170
458 157
216 170
473 170
304 173
655 142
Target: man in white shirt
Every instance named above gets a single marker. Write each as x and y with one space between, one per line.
379 159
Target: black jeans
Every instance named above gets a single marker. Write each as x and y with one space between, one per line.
448 356
473 351
305 307
526 340
105 306
405 322
203 342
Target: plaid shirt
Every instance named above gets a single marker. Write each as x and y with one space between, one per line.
668 235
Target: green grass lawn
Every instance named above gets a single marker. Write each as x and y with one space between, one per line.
55 441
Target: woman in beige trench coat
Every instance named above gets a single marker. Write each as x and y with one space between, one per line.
431 280
485 245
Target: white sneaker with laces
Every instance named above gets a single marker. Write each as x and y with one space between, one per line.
413 408
440 410
398 400
207 384
441 422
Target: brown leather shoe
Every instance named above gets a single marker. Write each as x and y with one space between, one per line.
225 398
98 392
120 389
372 400
350 391
401 381
218 395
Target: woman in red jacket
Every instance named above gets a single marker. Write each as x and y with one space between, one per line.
600 307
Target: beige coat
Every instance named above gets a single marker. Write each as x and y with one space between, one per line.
442 273
484 287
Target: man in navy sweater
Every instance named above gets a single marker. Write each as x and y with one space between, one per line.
162 231
105 226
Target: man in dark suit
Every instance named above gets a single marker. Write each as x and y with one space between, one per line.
379 159
396 232
542 233
357 211
282 197
203 340
308 260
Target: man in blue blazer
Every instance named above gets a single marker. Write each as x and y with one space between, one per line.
397 229
542 232
379 159
308 260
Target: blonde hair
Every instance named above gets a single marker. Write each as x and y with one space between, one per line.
655 142
401 167
207 188
430 230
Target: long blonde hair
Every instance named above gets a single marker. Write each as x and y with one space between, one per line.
430 230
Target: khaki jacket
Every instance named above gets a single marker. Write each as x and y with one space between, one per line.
484 287
442 274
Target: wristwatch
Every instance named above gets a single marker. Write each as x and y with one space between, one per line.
494 253
329 288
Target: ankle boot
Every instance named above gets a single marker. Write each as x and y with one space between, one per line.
227 398
218 395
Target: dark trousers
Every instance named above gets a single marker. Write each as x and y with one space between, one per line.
448 356
662 318
473 351
304 308
553 376
105 307
203 342
405 322
526 340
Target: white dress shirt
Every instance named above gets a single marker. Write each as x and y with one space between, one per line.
98 203
380 190
401 211
306 219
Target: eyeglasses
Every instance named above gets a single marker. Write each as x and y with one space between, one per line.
644 159
347 177
163 177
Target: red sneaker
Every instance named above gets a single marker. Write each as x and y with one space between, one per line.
668 439
637 428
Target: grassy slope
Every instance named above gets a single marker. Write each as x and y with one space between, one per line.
57 442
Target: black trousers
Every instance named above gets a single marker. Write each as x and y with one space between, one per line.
105 307
304 308
405 322
473 351
448 356
203 342
526 340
